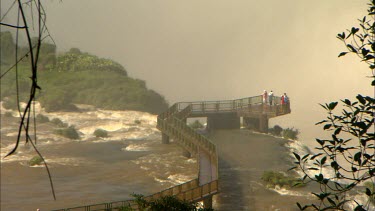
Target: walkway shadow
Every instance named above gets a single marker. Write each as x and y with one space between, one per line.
231 188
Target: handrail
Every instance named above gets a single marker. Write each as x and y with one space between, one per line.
172 123
238 106
193 192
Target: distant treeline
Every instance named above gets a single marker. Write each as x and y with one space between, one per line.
74 77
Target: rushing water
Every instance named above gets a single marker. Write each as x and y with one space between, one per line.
90 170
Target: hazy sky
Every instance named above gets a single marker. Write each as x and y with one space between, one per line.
222 49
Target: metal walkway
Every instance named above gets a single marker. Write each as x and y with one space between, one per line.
172 124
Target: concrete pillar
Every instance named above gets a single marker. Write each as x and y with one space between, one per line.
260 123
251 123
164 138
263 124
205 167
207 202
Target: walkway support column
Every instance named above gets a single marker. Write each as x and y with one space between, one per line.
207 202
251 123
164 138
263 123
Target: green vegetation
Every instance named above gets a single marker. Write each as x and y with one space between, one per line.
75 60
75 77
40 118
69 132
274 179
276 130
36 160
47 53
288 133
196 124
102 89
163 203
100 133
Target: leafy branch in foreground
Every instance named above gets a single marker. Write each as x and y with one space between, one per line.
350 152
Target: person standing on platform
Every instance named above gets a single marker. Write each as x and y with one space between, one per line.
265 97
286 99
270 97
282 99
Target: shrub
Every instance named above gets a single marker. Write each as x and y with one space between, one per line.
36 160
290 133
196 124
277 178
276 130
69 132
100 133
40 118
58 122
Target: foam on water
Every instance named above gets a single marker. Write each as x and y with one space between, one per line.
178 178
136 147
160 167
69 161
22 154
283 191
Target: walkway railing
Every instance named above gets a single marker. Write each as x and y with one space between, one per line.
190 191
243 107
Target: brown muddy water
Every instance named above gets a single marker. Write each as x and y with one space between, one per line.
132 160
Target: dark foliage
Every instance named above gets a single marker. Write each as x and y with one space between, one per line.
165 203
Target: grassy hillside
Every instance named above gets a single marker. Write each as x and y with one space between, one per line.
74 77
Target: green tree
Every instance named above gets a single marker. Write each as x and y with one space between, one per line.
350 150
